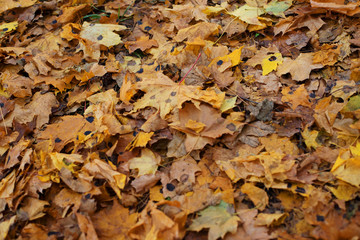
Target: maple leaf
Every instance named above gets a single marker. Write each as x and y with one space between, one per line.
217 219
202 30
146 164
165 95
6 5
299 68
256 195
101 33
277 8
105 222
270 219
248 14
297 97
347 168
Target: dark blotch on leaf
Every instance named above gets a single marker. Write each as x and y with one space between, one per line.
170 187
100 37
219 62
300 190
90 119
54 21
88 196
140 22
272 58
312 95
135 133
87 133
2 105
141 70
57 140
157 68
172 49
168 100
173 93
289 185
5 29
231 127
320 218
147 28
137 79
53 233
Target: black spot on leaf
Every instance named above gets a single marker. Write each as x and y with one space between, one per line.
272 58
100 37
320 218
87 133
57 140
170 187
300 190
90 119
220 62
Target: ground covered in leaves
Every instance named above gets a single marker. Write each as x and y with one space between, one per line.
186 119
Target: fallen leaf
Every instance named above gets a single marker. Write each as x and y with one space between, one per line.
101 33
146 164
299 68
217 219
270 218
297 97
256 195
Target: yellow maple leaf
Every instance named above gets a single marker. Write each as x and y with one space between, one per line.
248 14
146 164
194 125
155 194
141 139
68 161
270 63
310 138
101 33
344 191
256 195
229 60
347 168
270 218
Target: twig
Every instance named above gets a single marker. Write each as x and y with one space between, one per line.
197 59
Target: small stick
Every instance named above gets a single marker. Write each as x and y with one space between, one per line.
197 59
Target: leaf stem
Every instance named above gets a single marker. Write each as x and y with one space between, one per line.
197 59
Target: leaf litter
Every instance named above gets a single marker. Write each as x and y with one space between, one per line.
179 119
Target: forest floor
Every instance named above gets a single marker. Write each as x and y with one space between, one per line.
186 119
